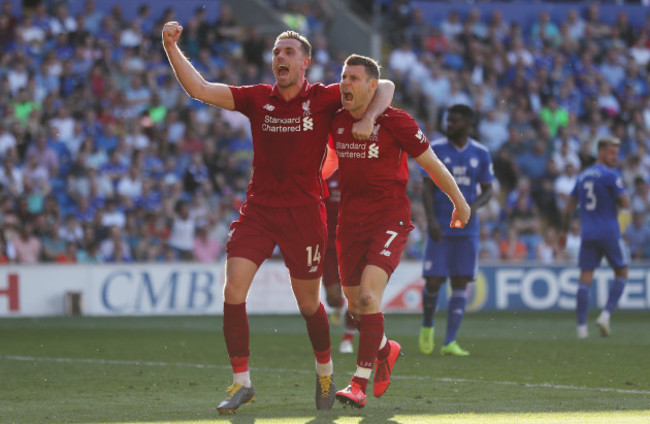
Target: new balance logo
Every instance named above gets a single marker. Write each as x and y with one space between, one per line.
307 123
339 131
230 234
268 107
385 252
313 269
373 151
420 136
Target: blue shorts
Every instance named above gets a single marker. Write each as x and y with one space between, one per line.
592 252
451 257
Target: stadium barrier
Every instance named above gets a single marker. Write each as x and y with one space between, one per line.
196 289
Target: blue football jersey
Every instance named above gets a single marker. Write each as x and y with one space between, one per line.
470 166
597 190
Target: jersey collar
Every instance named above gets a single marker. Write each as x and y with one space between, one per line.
301 94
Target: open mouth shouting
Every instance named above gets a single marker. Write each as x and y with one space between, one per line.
282 71
347 96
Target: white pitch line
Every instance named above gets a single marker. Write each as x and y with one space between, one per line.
398 377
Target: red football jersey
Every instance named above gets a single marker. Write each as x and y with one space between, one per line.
289 141
374 172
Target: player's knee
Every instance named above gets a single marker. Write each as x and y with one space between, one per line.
460 283
234 294
368 302
433 284
334 300
307 307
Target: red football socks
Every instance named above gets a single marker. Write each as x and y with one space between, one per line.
237 333
370 336
318 328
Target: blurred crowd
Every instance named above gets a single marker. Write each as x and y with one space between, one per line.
104 158
543 95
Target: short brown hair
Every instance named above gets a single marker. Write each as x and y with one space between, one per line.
371 65
296 36
606 141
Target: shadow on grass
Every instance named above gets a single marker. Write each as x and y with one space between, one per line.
367 416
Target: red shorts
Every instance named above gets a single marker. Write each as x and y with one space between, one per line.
299 231
382 248
331 265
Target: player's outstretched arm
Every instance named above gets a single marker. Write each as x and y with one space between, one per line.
362 129
189 78
443 179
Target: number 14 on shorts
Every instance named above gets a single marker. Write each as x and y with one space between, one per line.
313 254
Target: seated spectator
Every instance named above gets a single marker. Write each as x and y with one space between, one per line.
554 115
197 176
7 251
564 184
114 248
637 235
511 248
129 187
52 244
566 151
89 254
27 245
489 244
206 249
71 230
451 26
112 215
533 163
11 176
115 169
492 131
546 251
69 255
43 156
526 220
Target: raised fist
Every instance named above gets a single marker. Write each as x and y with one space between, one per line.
171 32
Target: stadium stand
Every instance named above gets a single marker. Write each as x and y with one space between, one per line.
100 147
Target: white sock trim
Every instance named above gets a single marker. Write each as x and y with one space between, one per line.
363 372
242 378
384 340
325 369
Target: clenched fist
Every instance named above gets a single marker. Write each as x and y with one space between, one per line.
171 32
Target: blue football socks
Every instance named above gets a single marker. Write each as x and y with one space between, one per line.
615 293
429 305
455 314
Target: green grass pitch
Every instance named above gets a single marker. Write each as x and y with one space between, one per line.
524 367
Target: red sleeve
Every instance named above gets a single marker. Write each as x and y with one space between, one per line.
245 96
333 95
408 134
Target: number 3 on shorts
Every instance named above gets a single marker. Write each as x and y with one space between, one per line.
313 254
